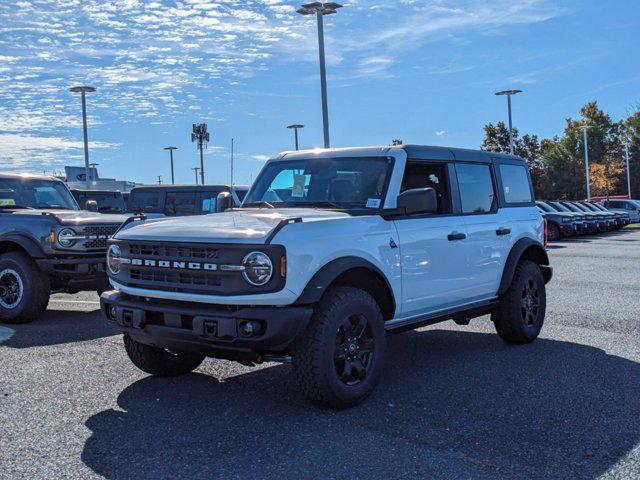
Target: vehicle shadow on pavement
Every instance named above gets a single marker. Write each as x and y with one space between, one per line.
58 327
451 405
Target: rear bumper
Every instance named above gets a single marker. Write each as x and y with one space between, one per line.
212 330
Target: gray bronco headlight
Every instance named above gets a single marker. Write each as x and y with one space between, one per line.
67 237
114 259
258 268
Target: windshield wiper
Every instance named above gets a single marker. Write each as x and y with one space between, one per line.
259 204
16 207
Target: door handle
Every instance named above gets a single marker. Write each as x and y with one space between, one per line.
456 236
503 231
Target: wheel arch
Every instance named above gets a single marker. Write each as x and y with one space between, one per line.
20 243
525 249
355 272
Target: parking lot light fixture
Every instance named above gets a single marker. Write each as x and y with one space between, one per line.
195 169
584 129
171 149
320 9
83 90
626 154
295 128
508 93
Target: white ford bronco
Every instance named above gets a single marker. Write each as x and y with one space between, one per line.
331 251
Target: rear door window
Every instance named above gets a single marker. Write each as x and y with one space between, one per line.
180 203
477 192
515 184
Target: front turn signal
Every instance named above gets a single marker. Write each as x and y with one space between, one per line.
283 267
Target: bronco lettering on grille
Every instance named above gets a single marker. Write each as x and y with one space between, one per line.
173 264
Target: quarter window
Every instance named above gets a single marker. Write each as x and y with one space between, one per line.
476 188
515 184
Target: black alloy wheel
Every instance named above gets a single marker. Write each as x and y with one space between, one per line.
354 350
530 306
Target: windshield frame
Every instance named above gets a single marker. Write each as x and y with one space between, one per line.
323 204
20 183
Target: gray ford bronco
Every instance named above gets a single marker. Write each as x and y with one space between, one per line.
47 244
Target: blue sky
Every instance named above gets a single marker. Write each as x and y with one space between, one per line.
423 71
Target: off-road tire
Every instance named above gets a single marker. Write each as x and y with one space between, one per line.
509 317
158 361
553 232
36 289
313 356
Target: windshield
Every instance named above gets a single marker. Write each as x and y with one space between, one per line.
32 193
346 183
545 207
560 207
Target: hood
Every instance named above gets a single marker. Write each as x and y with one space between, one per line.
237 226
76 217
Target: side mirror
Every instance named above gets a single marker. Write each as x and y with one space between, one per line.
224 202
418 200
91 205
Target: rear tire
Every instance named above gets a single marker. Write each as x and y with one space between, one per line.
24 289
339 359
520 314
158 361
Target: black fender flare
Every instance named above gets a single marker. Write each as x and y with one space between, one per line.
26 243
539 254
326 275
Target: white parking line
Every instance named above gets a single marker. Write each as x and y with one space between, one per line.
6 333
75 302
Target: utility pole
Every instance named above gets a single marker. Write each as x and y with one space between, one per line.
200 135
159 179
171 149
83 90
195 169
320 10
231 162
508 93
295 128
584 129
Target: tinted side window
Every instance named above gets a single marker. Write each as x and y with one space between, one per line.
145 201
515 183
209 201
476 188
429 175
180 203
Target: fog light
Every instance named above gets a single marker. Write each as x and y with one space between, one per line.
250 328
113 312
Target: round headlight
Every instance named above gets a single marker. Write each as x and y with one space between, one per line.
66 237
114 256
257 268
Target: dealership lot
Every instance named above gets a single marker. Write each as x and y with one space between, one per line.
455 402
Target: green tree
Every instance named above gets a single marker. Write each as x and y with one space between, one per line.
528 147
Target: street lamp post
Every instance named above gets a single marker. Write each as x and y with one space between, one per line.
171 149
93 170
584 129
320 10
508 93
195 169
626 152
83 90
295 128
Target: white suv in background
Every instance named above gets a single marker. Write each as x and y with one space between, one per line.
632 207
331 251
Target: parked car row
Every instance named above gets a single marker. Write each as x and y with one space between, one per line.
570 218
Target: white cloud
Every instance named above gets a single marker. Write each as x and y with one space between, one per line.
441 133
260 158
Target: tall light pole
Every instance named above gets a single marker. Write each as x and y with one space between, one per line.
584 129
626 152
195 169
171 149
232 146
83 90
295 128
320 10
200 135
508 93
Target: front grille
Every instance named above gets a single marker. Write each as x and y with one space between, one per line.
193 267
99 234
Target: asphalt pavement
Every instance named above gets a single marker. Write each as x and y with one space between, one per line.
454 403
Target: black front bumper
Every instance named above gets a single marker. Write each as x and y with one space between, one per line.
76 272
213 330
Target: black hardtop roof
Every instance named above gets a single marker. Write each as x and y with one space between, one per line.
180 187
28 176
460 154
